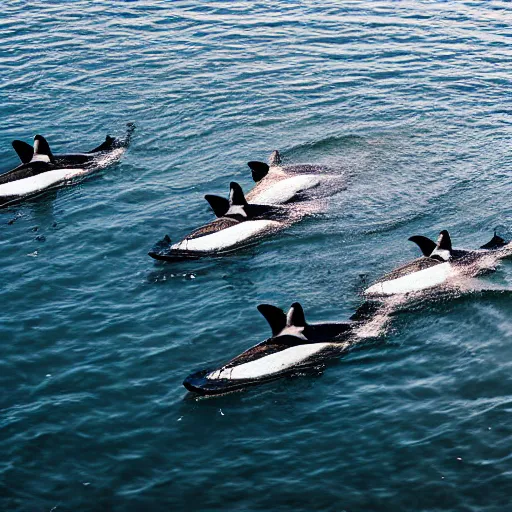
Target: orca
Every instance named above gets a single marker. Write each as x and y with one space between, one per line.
238 224
280 184
440 265
41 170
294 345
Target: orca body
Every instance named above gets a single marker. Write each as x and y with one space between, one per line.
439 265
279 184
294 345
238 225
41 170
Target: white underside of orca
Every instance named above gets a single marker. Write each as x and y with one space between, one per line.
414 282
40 158
39 182
280 192
271 364
227 238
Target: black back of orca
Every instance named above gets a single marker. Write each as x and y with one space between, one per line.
496 242
77 159
25 171
428 246
26 152
73 159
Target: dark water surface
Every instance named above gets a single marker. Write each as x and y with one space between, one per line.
411 99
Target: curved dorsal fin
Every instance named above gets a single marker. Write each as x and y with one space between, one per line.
219 205
236 207
259 170
495 243
236 195
274 316
443 250
444 242
42 148
295 316
426 245
23 150
105 146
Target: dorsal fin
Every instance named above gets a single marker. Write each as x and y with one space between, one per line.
237 207
259 170
105 146
275 317
236 195
23 150
42 149
426 245
443 250
495 243
295 316
444 242
275 158
219 205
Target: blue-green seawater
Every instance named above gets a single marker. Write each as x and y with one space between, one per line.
411 99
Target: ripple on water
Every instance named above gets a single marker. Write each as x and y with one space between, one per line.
408 100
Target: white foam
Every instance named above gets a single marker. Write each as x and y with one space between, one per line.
229 237
39 182
378 323
271 364
108 158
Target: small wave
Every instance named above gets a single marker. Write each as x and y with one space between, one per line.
325 144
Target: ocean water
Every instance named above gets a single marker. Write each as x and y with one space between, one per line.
410 100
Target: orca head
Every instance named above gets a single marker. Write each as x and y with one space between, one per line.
258 169
443 250
23 150
274 159
42 151
288 324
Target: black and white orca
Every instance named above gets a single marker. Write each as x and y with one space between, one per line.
279 184
239 224
294 345
40 169
440 264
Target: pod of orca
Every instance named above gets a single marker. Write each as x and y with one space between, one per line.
275 202
296 346
243 220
